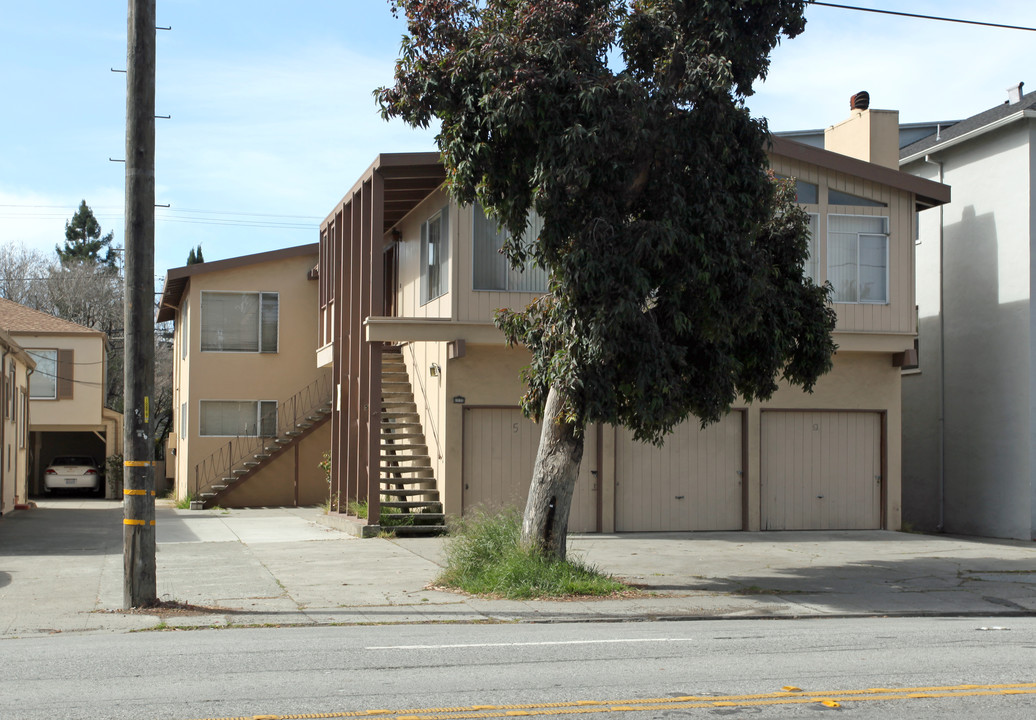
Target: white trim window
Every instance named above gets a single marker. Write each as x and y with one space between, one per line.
43 383
812 268
238 418
490 268
183 421
239 321
435 255
858 258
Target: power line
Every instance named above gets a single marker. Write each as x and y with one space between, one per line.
922 17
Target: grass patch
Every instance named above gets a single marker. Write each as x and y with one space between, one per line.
185 502
483 557
359 509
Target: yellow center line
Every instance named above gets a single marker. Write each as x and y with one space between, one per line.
684 702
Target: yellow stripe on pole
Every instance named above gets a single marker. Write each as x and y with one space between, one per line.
134 492
136 463
127 521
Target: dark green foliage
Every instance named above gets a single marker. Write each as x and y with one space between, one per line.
675 259
483 557
195 256
84 242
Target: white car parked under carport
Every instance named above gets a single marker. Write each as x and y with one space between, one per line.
73 472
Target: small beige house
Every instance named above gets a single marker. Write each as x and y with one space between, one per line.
66 389
426 392
250 405
15 367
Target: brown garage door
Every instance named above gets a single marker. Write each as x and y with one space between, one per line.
693 482
499 452
821 470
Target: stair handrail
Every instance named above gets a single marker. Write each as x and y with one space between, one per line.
290 414
428 417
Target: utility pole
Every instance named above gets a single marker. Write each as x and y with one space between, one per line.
138 550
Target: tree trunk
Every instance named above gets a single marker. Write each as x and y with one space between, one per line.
545 524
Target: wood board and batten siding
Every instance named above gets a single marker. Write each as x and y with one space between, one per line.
694 482
821 470
896 315
499 453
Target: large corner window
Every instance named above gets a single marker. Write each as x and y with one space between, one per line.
239 321
857 258
491 269
435 250
238 418
43 383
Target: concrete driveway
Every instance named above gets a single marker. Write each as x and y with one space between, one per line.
61 571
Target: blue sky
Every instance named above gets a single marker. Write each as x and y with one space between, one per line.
273 117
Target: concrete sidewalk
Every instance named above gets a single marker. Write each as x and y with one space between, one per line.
61 571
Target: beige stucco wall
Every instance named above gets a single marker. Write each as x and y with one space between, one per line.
15 468
274 485
245 375
83 410
869 135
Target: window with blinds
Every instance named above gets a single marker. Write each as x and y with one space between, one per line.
238 418
239 321
490 268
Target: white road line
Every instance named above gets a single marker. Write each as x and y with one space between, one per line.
528 644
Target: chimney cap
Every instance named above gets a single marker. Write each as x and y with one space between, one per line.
860 101
1014 93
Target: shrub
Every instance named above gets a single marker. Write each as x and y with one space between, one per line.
483 557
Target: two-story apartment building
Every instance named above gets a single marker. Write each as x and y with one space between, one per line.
426 420
66 389
15 367
250 404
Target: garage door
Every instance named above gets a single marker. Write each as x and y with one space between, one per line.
693 482
499 452
821 470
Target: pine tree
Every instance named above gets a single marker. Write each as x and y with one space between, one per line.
195 256
83 240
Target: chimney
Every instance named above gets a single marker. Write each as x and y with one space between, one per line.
871 135
1014 93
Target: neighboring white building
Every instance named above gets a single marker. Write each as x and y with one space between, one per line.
968 409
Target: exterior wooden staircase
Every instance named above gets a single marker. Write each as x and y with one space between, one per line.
410 502
243 457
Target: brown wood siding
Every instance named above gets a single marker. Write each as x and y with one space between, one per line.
500 447
897 315
693 482
821 470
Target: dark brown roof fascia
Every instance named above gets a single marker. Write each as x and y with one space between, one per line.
927 193
393 165
176 278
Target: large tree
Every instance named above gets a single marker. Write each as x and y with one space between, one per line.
675 259
84 241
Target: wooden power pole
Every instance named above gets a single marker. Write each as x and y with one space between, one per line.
139 583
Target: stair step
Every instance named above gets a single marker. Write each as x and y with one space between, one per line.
387 458
416 530
403 469
387 425
412 519
290 434
217 488
403 446
262 456
407 492
206 494
251 463
240 471
412 504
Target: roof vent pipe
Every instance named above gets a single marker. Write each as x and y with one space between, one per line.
1014 93
860 101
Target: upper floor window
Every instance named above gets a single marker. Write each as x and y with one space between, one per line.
239 321
54 374
812 268
435 252
857 258
490 267
836 197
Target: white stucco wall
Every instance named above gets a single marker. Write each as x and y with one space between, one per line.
987 230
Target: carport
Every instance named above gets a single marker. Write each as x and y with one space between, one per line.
46 442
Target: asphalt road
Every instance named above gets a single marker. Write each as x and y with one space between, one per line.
870 668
